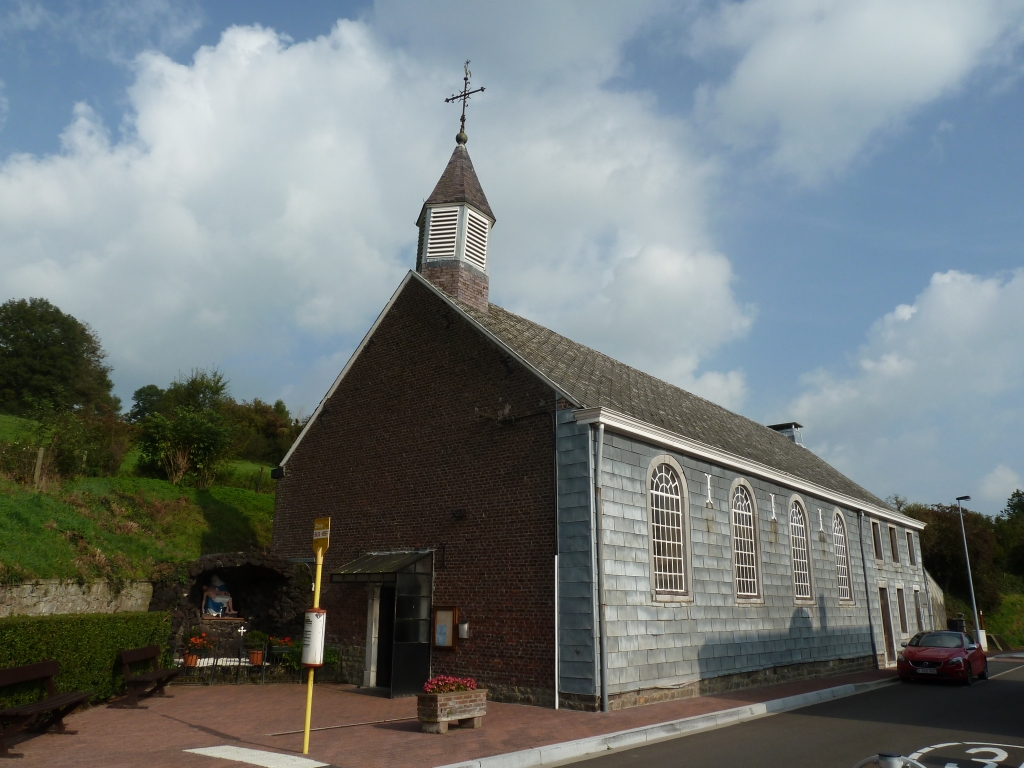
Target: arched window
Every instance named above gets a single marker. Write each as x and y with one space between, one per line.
743 543
668 539
842 562
800 550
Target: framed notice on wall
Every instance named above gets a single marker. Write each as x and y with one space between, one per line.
446 626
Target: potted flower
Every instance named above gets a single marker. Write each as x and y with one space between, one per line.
256 643
447 699
197 642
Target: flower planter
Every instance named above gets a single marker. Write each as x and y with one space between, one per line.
437 710
191 659
256 658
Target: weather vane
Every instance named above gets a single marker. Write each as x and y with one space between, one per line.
463 97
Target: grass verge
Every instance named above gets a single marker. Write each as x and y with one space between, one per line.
122 527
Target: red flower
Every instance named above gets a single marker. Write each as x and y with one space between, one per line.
447 684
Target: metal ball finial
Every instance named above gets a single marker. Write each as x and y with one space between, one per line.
461 137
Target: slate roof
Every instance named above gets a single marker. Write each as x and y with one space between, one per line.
596 380
459 184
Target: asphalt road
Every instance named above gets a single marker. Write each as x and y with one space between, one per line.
950 726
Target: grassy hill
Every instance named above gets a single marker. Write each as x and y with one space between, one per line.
123 527
13 428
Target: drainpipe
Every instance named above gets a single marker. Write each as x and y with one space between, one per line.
599 511
867 593
554 431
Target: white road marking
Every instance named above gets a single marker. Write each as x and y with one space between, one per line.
990 744
989 748
926 750
258 757
1008 671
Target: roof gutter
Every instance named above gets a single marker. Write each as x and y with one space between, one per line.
620 422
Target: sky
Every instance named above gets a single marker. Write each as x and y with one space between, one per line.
800 209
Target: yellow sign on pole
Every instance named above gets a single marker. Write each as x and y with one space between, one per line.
321 533
321 540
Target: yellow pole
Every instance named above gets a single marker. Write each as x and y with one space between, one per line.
309 680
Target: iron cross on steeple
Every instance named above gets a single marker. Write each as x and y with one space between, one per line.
463 97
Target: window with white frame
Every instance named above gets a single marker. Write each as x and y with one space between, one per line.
842 559
894 545
668 537
876 538
902 603
911 552
917 609
744 544
800 551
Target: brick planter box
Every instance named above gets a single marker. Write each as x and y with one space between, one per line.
436 710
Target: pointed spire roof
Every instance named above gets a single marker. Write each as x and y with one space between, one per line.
459 184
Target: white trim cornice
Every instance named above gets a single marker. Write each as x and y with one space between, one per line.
628 425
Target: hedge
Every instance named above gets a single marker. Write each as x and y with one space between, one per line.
86 645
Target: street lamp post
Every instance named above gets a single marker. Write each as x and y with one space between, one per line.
970 581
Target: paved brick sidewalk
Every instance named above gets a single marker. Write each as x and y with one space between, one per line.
243 716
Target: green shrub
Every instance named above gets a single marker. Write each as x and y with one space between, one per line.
86 645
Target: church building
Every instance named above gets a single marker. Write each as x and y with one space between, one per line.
511 505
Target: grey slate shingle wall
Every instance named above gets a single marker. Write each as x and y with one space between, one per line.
653 643
577 625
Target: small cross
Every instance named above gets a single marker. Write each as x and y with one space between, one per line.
464 95
242 631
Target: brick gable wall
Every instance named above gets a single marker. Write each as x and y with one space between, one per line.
411 434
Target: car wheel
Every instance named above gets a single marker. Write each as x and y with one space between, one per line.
968 677
983 675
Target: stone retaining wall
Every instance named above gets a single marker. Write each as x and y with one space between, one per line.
46 597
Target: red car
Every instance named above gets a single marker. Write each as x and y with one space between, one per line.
943 656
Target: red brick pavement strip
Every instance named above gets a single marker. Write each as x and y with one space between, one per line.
243 716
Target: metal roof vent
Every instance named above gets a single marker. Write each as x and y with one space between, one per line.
791 430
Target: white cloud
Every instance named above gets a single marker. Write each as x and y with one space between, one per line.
998 484
817 81
259 209
933 394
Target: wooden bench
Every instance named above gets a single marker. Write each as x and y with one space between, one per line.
138 683
56 705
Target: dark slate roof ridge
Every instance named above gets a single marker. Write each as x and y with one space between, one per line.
594 379
459 184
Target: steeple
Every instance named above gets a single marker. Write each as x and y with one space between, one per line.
455 224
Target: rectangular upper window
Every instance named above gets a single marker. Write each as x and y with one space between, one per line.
876 535
894 544
902 601
476 239
442 236
911 552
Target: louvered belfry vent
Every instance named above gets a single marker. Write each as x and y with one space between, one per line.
455 226
476 239
443 233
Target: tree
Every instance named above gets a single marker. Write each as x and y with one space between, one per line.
47 356
201 390
148 400
187 440
1009 527
943 551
